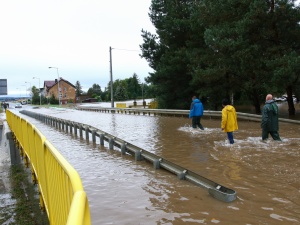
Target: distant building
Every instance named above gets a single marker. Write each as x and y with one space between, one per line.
89 100
67 91
84 98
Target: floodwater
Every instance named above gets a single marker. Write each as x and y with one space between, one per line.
120 190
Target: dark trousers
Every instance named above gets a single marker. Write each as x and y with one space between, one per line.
274 135
196 122
230 137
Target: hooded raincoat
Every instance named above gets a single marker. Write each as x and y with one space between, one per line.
196 108
269 121
229 119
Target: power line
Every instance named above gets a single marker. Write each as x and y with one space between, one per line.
129 50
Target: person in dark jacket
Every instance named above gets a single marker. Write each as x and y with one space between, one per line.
196 112
5 106
269 120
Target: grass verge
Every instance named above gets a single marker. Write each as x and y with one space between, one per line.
22 204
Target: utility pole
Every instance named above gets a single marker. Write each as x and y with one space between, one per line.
111 80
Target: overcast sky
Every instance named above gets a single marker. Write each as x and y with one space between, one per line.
74 36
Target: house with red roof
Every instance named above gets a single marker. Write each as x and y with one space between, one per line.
62 90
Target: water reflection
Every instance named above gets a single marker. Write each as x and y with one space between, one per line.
264 174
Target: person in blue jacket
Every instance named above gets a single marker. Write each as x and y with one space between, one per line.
196 112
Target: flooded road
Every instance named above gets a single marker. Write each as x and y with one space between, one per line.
120 190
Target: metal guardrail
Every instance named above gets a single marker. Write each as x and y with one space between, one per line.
176 113
216 190
59 184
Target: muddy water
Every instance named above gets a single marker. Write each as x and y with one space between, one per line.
122 191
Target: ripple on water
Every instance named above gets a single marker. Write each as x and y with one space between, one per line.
268 209
280 200
282 218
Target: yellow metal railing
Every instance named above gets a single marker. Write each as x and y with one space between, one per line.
59 184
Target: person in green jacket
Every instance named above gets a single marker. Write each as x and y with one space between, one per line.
229 120
269 120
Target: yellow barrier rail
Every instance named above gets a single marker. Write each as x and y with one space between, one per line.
60 187
121 105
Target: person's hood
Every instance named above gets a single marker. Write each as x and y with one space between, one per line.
229 108
270 101
196 100
275 109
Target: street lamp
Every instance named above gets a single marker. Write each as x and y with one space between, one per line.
51 67
29 86
20 91
30 89
39 89
24 85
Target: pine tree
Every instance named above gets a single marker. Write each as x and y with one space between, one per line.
166 52
78 89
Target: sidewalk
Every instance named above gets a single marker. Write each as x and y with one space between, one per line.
19 200
7 203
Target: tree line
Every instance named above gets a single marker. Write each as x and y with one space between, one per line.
127 89
238 49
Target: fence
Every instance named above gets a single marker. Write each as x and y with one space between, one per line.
60 187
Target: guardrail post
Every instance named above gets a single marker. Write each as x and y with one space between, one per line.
101 139
94 136
156 164
63 125
75 129
87 133
80 130
58 124
67 127
181 175
138 155
111 143
71 127
123 148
